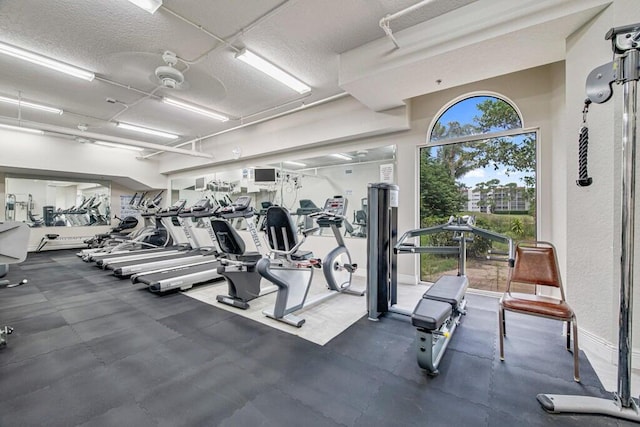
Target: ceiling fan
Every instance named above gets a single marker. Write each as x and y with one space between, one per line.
147 71
167 75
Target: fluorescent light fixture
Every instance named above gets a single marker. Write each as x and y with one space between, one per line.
149 5
21 129
342 156
123 146
292 163
271 70
148 131
194 109
53 64
26 104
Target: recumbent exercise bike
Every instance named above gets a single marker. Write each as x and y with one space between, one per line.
291 269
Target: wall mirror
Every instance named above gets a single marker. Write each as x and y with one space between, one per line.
302 185
57 203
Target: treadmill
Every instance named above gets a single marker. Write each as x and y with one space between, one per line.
201 246
164 219
151 236
200 273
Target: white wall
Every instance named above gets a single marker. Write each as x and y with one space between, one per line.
593 213
49 153
332 123
67 157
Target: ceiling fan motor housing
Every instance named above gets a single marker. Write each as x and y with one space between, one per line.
169 77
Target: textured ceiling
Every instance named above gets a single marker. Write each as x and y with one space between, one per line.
123 45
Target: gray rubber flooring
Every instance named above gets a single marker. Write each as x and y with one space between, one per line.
91 350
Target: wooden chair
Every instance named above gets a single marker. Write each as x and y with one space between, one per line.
536 263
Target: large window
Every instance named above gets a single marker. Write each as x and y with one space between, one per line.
478 161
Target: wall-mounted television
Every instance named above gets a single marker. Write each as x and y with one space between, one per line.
264 175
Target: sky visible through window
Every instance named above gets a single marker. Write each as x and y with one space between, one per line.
464 113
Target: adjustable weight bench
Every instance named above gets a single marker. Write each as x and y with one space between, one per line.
436 316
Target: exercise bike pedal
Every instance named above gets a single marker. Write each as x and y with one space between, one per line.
351 268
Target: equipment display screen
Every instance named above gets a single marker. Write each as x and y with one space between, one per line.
265 175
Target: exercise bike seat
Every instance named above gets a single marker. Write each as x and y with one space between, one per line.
449 289
231 243
430 314
282 234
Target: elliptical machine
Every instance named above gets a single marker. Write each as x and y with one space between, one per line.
291 270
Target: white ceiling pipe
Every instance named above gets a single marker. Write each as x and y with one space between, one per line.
255 122
226 42
116 139
384 22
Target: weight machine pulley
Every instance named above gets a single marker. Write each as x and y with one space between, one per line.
624 70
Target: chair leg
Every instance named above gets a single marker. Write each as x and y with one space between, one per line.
501 326
504 325
568 335
576 351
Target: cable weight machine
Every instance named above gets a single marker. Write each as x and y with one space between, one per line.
624 70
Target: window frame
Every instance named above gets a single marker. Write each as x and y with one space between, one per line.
464 97
471 138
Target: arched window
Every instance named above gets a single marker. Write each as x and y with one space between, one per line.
474 116
479 160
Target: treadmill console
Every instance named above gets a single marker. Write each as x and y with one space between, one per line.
241 204
241 207
200 209
177 206
173 210
335 206
200 205
332 213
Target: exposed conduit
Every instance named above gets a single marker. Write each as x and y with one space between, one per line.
146 95
384 22
255 122
220 40
115 139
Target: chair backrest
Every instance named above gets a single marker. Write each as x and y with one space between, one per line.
280 229
536 263
228 238
361 217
